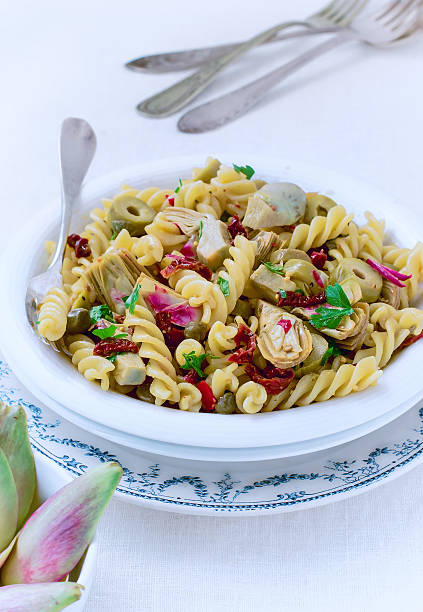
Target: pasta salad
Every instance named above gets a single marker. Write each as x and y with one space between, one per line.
228 294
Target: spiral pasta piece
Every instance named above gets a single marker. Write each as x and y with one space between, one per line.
224 379
320 229
200 293
98 232
189 397
250 397
187 346
373 232
384 343
155 197
346 246
233 189
52 315
329 383
198 196
92 367
166 232
238 269
147 249
407 318
153 348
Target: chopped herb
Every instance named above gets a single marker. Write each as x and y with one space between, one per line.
37 322
194 362
131 300
114 235
275 268
224 285
332 317
282 293
300 291
248 171
332 351
112 358
101 312
200 233
108 332
179 186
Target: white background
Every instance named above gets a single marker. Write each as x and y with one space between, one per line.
357 111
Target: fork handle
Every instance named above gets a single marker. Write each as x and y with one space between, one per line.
221 110
173 98
173 61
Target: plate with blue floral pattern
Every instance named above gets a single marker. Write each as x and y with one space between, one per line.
210 488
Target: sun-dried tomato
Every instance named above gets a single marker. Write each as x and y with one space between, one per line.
247 337
170 200
108 347
81 246
235 228
173 334
192 377
318 258
293 299
285 324
180 262
273 379
410 340
208 399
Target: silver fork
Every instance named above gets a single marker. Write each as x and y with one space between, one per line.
336 13
77 147
398 20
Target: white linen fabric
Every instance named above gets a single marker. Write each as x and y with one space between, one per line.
357 111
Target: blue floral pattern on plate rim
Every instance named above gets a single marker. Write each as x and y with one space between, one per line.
259 487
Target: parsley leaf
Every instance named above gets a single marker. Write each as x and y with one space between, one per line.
200 233
300 291
248 171
132 299
332 317
336 296
179 186
192 361
108 332
114 235
224 285
101 312
275 268
332 351
282 293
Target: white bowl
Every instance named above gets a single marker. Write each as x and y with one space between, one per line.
130 421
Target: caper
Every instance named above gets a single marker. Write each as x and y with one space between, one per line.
195 330
369 280
226 404
78 321
317 206
243 309
130 213
143 393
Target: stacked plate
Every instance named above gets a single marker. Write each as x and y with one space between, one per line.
196 436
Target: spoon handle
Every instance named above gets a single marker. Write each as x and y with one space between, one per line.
177 96
77 147
226 108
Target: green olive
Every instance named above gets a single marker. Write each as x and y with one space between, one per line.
369 280
313 361
304 275
226 404
208 172
282 255
143 393
195 330
317 205
130 213
78 321
243 309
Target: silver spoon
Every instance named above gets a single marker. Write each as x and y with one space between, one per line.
77 147
397 21
336 13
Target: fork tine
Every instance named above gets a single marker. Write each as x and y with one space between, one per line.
403 12
328 8
346 11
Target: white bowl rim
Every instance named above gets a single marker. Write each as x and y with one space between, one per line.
62 381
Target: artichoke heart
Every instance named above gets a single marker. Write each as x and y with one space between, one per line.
275 204
187 220
391 294
306 276
284 346
113 276
266 243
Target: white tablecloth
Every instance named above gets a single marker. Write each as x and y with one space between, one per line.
357 111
